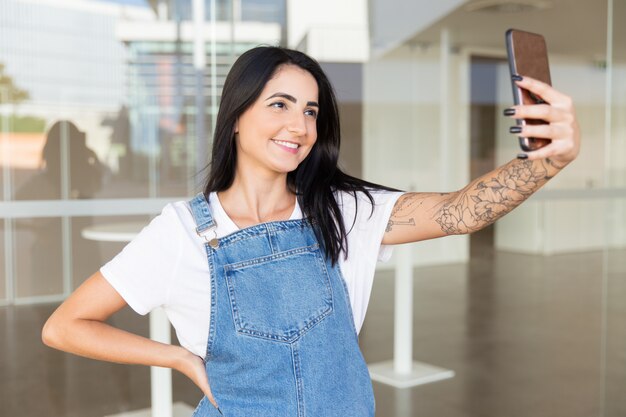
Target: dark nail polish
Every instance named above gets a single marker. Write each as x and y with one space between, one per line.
522 156
509 112
517 77
515 129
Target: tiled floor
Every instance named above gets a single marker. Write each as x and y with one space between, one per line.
524 334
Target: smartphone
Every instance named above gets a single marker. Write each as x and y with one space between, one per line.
528 55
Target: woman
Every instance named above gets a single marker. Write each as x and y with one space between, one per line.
266 275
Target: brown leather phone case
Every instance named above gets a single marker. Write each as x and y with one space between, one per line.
528 56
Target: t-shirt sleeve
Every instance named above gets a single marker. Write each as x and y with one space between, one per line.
385 203
368 231
142 272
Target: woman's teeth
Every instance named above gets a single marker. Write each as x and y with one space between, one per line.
287 144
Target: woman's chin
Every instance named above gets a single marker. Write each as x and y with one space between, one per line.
284 168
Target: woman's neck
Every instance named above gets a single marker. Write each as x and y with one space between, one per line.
251 200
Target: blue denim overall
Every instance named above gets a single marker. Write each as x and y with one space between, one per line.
282 341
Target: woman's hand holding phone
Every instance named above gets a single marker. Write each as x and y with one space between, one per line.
561 128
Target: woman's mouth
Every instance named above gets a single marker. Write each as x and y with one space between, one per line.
287 146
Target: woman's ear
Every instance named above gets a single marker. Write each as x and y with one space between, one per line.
236 126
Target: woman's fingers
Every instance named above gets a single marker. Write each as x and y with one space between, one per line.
201 380
561 127
193 367
546 131
545 91
541 112
206 389
542 153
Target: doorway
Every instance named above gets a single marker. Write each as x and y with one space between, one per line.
483 114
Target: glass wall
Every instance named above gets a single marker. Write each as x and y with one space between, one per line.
614 342
544 287
106 114
92 109
269 11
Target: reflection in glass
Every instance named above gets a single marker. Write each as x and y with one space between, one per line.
3 278
38 254
96 240
68 168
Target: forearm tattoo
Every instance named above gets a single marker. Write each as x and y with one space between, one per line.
391 223
483 201
487 199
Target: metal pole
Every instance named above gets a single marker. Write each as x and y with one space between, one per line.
66 222
9 268
608 132
213 66
444 113
233 14
199 63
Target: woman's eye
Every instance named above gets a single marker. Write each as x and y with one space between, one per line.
312 113
278 105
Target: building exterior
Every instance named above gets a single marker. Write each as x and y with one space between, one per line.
166 87
129 81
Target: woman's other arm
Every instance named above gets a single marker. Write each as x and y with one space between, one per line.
78 326
421 216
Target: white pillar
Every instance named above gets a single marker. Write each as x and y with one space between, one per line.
160 378
403 314
402 371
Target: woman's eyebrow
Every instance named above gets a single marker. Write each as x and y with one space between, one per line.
292 99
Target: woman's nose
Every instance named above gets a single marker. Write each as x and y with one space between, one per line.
297 125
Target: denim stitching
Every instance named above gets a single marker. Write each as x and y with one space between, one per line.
291 334
259 229
298 374
213 313
268 258
286 339
201 213
347 298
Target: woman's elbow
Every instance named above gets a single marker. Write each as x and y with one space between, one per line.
51 333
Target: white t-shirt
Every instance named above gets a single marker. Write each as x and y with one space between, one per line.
166 265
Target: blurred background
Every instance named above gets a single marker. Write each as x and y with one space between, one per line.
107 110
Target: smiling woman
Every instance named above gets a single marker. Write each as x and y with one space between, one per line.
266 275
283 119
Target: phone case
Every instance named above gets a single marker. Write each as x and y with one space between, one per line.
528 56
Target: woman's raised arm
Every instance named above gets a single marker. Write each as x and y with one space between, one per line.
421 216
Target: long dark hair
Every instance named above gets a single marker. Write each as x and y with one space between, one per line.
317 176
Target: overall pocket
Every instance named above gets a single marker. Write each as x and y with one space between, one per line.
280 296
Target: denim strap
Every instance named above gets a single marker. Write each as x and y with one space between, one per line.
201 213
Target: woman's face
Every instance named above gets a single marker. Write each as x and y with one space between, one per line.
278 131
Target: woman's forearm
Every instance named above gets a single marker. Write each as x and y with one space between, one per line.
493 195
79 326
99 340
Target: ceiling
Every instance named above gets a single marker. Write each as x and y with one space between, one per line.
574 28
571 27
